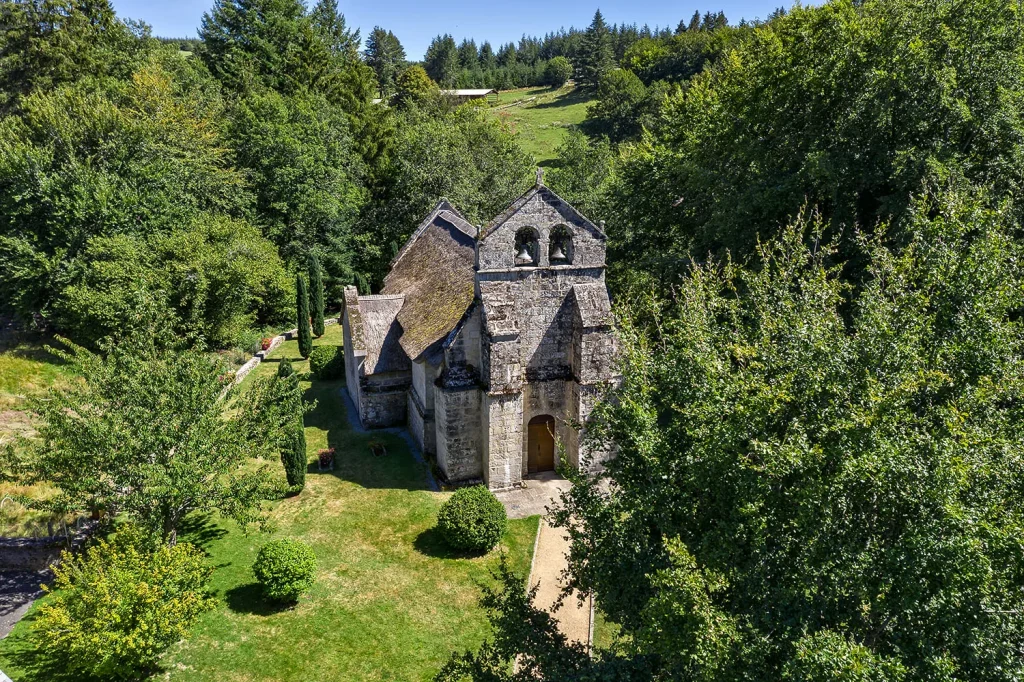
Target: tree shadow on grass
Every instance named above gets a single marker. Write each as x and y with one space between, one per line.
201 531
576 96
353 460
249 599
431 543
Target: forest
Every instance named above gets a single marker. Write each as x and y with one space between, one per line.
814 253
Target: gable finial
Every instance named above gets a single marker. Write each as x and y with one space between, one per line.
540 176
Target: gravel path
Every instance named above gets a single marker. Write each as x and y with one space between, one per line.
549 561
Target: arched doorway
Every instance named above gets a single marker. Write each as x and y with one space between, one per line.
540 455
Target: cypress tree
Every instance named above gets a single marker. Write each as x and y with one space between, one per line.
316 295
302 317
293 457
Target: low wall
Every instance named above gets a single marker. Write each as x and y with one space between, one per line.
244 370
37 554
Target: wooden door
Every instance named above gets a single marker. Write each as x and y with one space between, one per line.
541 444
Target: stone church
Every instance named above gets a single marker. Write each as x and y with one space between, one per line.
491 344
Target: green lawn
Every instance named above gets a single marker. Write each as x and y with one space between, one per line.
543 118
390 602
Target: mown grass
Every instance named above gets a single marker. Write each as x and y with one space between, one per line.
542 119
391 602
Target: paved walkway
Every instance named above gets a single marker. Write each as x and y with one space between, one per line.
550 554
539 492
18 589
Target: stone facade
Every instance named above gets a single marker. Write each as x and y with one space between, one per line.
501 326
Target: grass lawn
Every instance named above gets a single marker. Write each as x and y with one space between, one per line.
390 601
543 118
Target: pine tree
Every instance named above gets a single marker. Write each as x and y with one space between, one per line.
302 312
468 55
596 57
316 295
487 59
694 22
386 56
442 61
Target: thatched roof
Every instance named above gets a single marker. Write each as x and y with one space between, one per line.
381 334
434 273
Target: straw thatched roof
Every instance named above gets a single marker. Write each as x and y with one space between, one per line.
434 273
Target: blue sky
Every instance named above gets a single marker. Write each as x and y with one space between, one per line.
416 23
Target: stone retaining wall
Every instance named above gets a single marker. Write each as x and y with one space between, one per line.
244 370
37 554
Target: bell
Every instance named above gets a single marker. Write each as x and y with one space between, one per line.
557 253
524 257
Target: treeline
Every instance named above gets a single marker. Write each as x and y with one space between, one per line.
135 177
528 62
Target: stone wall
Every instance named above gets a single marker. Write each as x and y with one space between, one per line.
36 554
503 426
543 212
262 355
421 423
383 399
457 433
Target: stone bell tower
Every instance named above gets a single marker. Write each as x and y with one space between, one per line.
547 346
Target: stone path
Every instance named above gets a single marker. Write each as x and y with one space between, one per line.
550 554
539 492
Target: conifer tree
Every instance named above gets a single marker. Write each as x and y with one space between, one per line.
386 56
316 295
302 317
596 56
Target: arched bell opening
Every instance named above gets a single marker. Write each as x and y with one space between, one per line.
526 251
560 246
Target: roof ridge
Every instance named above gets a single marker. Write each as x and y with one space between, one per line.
442 205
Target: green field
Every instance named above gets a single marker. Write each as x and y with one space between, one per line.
391 602
541 117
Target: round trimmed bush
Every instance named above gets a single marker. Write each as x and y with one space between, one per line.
285 570
327 362
472 519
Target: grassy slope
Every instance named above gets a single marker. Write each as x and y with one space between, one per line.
390 602
26 369
544 117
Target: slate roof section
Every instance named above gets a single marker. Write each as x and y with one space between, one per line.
593 307
381 333
435 274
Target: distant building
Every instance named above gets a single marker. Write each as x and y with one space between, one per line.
493 344
466 95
